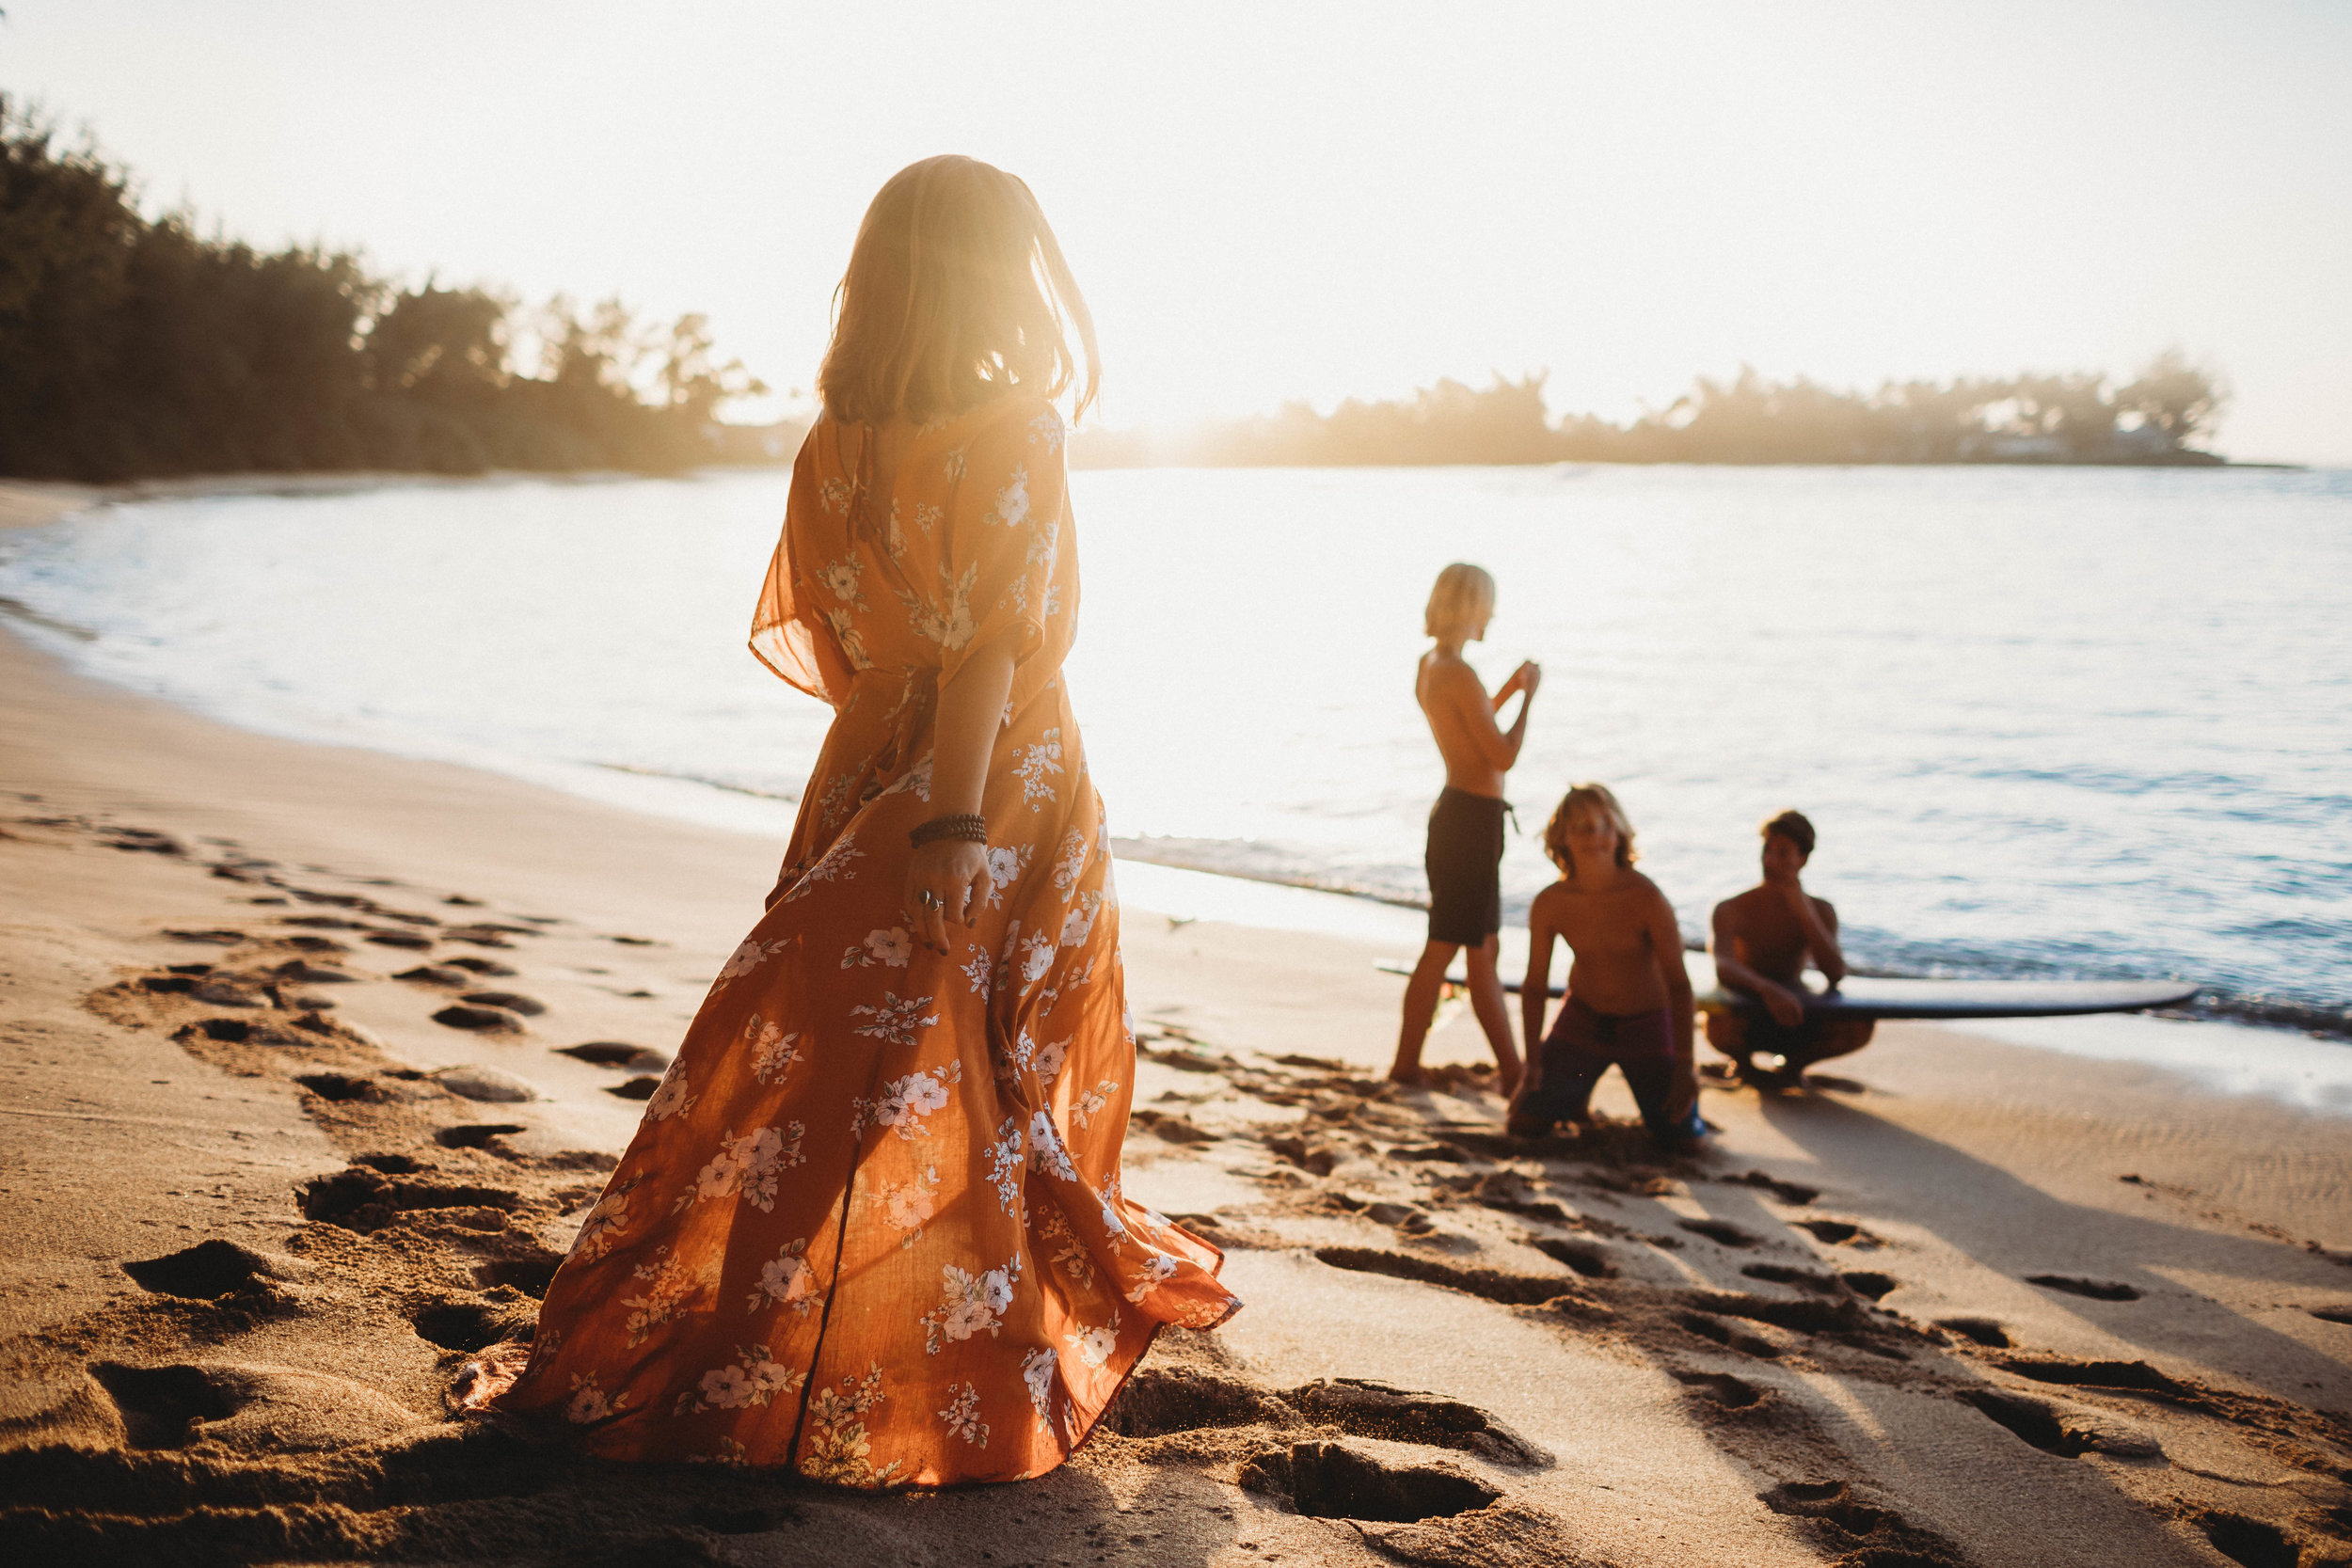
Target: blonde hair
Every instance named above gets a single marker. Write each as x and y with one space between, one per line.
955 292
1463 593
1599 797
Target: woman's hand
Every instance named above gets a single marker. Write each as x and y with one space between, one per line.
947 882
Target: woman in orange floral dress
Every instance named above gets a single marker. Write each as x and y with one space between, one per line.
872 1228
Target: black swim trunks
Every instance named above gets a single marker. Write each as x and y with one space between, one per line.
1464 861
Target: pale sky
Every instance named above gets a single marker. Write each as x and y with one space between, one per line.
1265 201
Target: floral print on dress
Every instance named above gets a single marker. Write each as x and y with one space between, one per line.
1037 766
669 1287
1094 1345
891 949
589 1402
772 1051
749 1167
749 956
1007 864
894 1019
755 1377
908 1205
962 1414
831 866
838 1449
674 1096
870 1227
786 1280
603 1227
970 1303
904 1102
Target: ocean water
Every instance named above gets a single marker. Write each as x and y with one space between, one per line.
2049 721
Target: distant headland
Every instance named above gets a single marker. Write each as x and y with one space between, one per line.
2157 417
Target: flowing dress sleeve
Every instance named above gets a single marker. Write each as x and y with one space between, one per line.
1012 561
789 634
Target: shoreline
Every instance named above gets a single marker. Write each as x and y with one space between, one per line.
1970 1300
28 505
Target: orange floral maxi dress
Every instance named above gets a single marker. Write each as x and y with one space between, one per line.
871 1226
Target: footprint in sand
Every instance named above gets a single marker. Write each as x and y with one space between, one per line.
1160 1399
210 1270
1332 1481
1846 1524
413 941
221 936
643 1086
1721 1390
616 1053
489 969
2094 1289
247 1405
476 1135
486 1082
507 1001
341 1088
1804 1279
1729 1336
480 1019
469 1324
236 1031
1983 1331
1720 1231
315 944
1512 1289
1591 1262
1839 1232
1793 1194
435 974
303 971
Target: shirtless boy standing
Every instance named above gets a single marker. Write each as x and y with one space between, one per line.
1465 853
1762 939
1628 998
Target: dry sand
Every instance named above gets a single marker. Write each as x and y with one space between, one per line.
1977 1304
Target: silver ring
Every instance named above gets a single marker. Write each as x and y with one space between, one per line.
927 899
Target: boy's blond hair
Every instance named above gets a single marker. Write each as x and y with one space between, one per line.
1464 592
1599 797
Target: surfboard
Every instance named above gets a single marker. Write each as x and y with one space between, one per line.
1868 996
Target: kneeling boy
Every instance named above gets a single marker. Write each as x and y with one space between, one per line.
1628 998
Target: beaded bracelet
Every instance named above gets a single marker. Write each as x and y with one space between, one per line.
969 826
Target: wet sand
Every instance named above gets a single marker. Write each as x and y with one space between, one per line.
313 1058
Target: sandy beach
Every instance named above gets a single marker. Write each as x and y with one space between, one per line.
315 1057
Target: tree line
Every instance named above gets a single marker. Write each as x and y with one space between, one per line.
132 347
2156 416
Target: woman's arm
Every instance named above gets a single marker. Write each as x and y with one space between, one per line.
955 871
